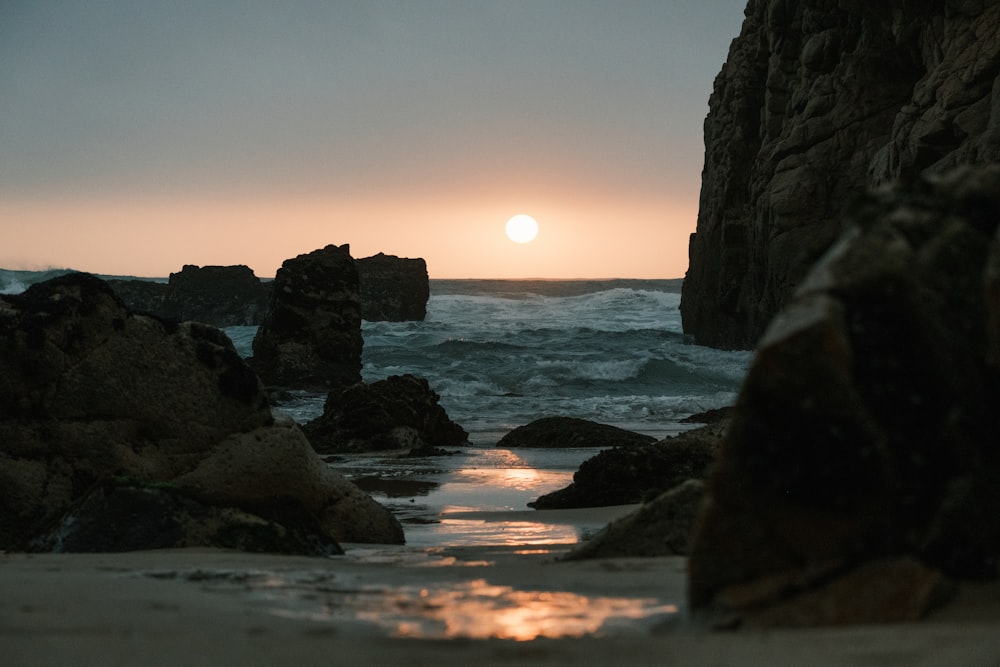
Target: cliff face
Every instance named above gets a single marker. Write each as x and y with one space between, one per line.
818 101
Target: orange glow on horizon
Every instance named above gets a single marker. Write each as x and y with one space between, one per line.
458 238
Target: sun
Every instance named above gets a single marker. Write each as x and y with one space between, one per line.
522 228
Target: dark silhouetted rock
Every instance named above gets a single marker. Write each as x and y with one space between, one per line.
867 428
571 432
121 516
818 100
891 590
142 296
400 412
626 475
221 296
90 391
217 295
661 527
393 289
311 335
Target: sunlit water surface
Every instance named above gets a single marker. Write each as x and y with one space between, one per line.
460 500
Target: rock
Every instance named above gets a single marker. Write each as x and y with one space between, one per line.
893 590
818 100
90 391
400 412
218 295
866 428
713 416
571 432
142 296
121 516
661 527
393 289
626 475
252 470
311 334
221 296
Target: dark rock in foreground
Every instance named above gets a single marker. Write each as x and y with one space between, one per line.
571 432
627 475
400 412
862 450
122 516
393 289
90 391
311 335
819 100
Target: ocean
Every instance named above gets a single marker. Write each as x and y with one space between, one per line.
502 353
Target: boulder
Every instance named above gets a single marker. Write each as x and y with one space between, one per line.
393 289
866 428
311 334
626 475
90 391
400 412
121 515
818 100
661 527
571 432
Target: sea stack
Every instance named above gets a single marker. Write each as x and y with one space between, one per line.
311 335
393 289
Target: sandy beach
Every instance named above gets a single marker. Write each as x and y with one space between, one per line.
391 605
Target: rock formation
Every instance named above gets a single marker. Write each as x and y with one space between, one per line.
311 335
626 475
221 296
400 412
572 432
393 289
818 100
90 392
862 453
661 527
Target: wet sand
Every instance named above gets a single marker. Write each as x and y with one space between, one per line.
386 605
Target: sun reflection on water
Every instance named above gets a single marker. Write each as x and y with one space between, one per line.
478 609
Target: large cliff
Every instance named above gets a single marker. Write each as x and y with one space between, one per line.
819 100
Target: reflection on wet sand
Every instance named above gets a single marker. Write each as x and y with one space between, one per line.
511 593
506 532
477 610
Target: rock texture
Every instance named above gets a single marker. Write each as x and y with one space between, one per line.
626 475
818 100
217 295
311 335
400 412
90 392
571 432
865 435
393 289
661 527
120 515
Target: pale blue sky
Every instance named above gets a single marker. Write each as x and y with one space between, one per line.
355 99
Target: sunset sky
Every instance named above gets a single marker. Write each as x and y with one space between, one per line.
137 136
